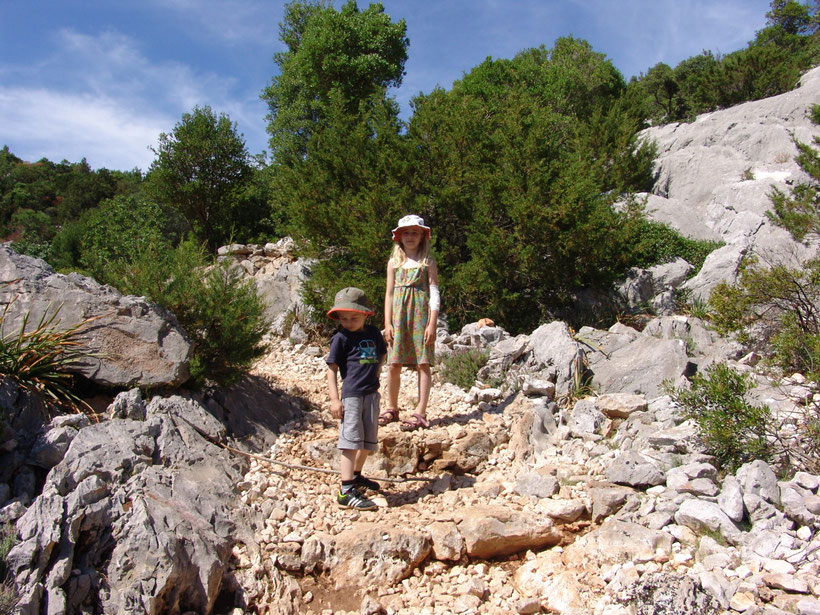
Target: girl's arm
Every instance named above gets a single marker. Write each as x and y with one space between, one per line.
432 320
388 303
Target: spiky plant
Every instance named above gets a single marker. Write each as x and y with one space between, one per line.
39 358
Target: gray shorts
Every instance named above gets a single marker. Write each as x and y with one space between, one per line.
359 427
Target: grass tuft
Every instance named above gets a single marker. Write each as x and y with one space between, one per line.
461 368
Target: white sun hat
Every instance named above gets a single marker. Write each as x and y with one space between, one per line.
410 221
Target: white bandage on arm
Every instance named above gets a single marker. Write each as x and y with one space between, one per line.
435 298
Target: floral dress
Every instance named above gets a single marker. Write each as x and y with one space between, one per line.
411 312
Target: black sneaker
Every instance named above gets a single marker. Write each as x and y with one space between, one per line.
354 499
361 481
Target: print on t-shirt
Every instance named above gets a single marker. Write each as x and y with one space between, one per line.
367 352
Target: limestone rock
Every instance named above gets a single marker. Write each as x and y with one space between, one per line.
552 346
700 515
606 501
635 470
702 190
757 478
618 541
448 543
730 499
492 531
133 342
620 405
546 577
369 554
127 502
639 365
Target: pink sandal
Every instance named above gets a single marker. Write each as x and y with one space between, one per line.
416 421
391 415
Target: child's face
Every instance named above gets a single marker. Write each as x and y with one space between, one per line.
352 321
411 237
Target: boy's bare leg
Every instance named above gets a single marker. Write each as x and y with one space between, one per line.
352 461
348 463
425 382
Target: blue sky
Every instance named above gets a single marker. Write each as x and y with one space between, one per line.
101 79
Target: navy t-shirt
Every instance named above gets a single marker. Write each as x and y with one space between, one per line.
357 354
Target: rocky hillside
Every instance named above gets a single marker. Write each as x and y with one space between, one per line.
531 495
512 503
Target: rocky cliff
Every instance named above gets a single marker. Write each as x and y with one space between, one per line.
714 177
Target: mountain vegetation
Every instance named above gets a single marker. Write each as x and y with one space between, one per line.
525 168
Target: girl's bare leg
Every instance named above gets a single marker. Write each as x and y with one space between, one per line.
425 382
393 384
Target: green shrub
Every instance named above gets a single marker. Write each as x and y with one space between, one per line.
659 243
119 231
461 368
220 311
782 299
694 306
732 429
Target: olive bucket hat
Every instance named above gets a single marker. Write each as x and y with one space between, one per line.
350 299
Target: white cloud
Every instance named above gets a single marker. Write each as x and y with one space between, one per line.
58 125
102 98
112 64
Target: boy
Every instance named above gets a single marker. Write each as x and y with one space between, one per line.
357 352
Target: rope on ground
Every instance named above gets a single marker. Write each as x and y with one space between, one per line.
297 466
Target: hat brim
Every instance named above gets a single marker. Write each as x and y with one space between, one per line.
333 315
397 231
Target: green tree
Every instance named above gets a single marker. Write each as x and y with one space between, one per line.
338 153
80 188
342 198
354 53
37 200
520 163
35 232
200 171
661 87
792 17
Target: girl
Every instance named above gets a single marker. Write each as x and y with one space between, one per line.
411 305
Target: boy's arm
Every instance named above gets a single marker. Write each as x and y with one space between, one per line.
336 408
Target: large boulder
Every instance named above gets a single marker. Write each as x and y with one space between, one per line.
132 342
624 360
139 516
370 553
554 350
492 531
